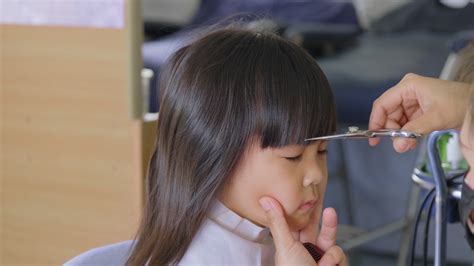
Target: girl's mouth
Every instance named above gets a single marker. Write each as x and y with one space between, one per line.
308 205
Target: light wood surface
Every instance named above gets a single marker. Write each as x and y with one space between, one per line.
72 158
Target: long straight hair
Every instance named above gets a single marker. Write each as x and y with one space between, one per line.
218 93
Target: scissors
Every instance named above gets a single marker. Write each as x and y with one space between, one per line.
355 133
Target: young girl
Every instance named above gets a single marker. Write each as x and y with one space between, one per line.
236 106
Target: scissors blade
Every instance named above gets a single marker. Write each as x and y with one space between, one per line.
338 136
394 133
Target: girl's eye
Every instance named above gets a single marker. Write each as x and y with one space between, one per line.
323 152
295 158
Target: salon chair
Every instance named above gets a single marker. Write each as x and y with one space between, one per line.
114 254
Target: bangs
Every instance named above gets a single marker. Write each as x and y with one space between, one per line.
235 85
294 100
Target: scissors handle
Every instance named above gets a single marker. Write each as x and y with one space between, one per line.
393 133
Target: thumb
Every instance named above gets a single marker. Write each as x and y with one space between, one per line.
327 235
423 125
276 222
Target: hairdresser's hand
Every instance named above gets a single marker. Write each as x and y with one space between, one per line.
288 244
419 104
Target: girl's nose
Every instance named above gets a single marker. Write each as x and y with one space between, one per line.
314 175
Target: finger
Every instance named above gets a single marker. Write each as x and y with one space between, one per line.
388 102
422 124
402 145
333 256
276 222
327 235
403 120
391 124
374 141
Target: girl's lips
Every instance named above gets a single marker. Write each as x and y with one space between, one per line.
307 205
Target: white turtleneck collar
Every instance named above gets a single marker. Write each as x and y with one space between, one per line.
233 222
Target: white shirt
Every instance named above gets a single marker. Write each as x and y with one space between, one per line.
225 238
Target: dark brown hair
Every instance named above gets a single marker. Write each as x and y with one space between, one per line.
218 93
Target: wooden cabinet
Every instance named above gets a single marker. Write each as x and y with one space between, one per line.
72 159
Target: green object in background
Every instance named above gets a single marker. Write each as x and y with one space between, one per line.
443 151
443 143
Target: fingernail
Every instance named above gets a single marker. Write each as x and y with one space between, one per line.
402 146
265 203
371 143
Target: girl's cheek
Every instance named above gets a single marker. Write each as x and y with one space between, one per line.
284 198
285 187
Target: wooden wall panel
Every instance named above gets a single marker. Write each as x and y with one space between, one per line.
72 158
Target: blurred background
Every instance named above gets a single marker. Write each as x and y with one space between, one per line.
79 104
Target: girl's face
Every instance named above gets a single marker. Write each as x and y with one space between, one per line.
294 175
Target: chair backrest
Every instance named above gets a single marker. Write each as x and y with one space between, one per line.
110 255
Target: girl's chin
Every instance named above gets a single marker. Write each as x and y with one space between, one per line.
298 223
